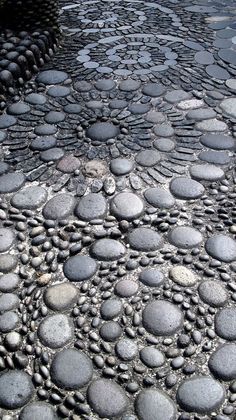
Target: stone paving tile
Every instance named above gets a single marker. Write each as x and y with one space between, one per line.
118 218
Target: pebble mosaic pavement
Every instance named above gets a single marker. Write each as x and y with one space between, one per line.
118 218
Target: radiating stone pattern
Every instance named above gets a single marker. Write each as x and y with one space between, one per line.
118 218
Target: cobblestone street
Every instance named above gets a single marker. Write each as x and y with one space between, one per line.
118 214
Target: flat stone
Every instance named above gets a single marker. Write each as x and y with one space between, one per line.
213 293
83 86
211 125
35 99
154 90
107 250
201 394
201 114
38 411
155 117
4 167
45 130
91 206
8 263
72 108
151 277
111 308
231 83
80 268
11 182
68 164
221 247
152 357
7 121
215 157
186 188
105 84
225 323
94 169
148 158
162 318
60 297
144 239
102 131
54 117
222 362
51 77
164 144
8 301
127 206
59 207
107 398
126 349
9 282
118 104
217 72
160 198
71 369
185 237
126 288
206 172
8 321
164 130
58 91
136 108
3 136
153 404
177 96
56 331
18 108
228 106
129 85
16 389
43 143
228 55
7 238
218 141
29 198
53 154
110 331
121 166
182 276
204 57
190 104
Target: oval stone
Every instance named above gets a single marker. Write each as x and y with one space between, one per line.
213 293
102 131
158 197
127 206
206 172
144 239
162 318
11 182
59 207
60 297
186 188
107 250
79 268
38 411
56 330
221 247
154 404
107 398
91 206
225 323
7 238
16 389
185 237
29 198
222 362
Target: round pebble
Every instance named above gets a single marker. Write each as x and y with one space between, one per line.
222 362
38 411
55 331
111 308
152 357
127 206
221 247
182 276
148 158
59 207
121 166
185 237
107 250
102 131
206 172
110 331
29 198
60 296
225 323
144 239
11 182
151 277
79 268
91 206
51 77
126 288
107 398
126 349
153 404
16 389
7 238
186 188
158 197
162 318
213 293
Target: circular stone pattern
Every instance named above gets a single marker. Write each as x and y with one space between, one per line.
127 206
153 404
158 197
107 250
6 239
59 207
221 247
162 318
144 239
185 237
38 411
201 394
16 389
71 369
107 398
213 293
79 268
29 198
90 207
186 188
222 362
225 323
55 331
151 277
102 131
182 276
61 296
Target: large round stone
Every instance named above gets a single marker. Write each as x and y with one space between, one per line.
11 182
121 166
144 239
102 131
71 369
152 357
61 296
225 323
151 277
110 331
111 308
213 293
107 398
59 207
9 282
127 206
206 172
221 247
6 239
228 105
154 89
79 268
200 394
55 331
148 158
38 411
107 250
222 362
182 276
185 237
154 404
8 262
158 197
218 141
16 389
91 206
126 349
186 188
162 318
29 198
52 77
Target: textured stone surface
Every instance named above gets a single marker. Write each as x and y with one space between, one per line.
55 331
127 206
16 389
107 398
162 318
154 403
79 268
